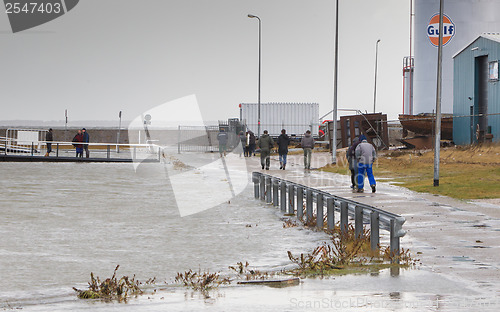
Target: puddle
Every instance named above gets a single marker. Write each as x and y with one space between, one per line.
477 246
462 259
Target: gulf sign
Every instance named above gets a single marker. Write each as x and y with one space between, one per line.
433 29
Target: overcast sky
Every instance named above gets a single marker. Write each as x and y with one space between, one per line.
106 56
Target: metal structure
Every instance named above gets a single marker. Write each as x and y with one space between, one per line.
203 139
373 126
476 100
408 69
469 19
296 118
293 197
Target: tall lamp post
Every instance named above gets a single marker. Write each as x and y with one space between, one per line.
258 107
335 75
375 86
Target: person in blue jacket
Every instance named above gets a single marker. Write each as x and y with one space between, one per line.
86 139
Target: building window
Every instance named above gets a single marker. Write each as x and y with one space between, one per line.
493 71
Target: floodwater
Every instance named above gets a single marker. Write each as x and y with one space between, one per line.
61 221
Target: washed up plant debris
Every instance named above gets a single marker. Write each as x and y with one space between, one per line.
245 273
111 288
347 253
203 281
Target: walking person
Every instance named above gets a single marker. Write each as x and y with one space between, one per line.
77 143
265 144
86 139
49 137
307 144
222 137
243 141
251 144
247 144
353 164
283 142
365 155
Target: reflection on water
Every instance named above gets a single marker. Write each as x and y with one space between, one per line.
59 222
62 221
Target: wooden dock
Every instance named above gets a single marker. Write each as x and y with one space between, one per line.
29 158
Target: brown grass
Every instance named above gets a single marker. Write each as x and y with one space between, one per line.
471 172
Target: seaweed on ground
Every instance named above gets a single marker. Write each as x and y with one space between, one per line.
111 288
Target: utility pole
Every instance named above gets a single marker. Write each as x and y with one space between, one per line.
437 142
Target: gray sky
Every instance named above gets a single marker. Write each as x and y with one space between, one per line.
112 55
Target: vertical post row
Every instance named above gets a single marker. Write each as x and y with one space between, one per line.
268 190
57 150
319 211
255 180
374 230
344 217
394 242
275 192
291 199
330 213
300 202
309 205
262 187
283 196
358 221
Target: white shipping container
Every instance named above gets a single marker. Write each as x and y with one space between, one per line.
295 118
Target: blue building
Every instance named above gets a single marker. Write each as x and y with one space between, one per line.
476 91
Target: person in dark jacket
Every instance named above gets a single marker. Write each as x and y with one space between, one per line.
222 137
353 164
283 142
307 144
86 139
49 137
265 144
77 143
243 141
251 144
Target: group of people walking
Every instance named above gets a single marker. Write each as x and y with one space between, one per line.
360 154
266 143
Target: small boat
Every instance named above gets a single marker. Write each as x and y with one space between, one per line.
424 124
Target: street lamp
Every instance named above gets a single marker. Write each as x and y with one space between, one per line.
335 75
258 107
375 86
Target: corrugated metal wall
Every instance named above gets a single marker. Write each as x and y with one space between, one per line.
296 118
464 92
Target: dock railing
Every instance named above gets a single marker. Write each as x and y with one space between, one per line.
9 146
292 197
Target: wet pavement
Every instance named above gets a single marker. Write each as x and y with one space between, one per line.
454 239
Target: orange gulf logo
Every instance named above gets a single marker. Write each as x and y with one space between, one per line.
433 29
